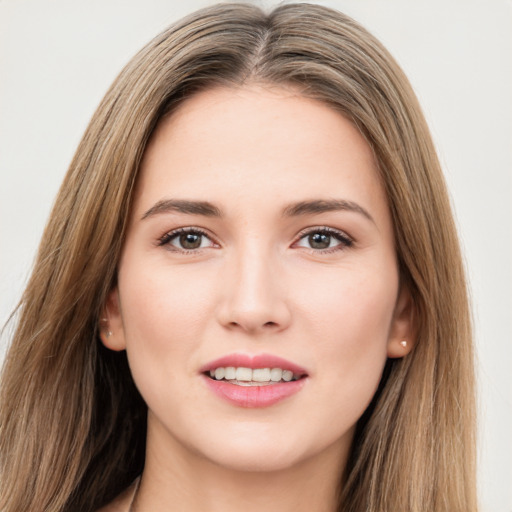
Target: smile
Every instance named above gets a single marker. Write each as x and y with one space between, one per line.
253 381
242 376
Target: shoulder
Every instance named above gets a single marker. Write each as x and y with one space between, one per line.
122 502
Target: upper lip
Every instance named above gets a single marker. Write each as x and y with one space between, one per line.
254 361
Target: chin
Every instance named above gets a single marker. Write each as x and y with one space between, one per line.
257 450
256 459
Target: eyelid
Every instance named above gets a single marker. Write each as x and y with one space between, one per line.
165 239
345 240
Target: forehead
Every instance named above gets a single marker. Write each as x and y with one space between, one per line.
239 145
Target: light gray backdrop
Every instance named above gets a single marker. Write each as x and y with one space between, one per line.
57 58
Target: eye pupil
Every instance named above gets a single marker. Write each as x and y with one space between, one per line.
319 240
190 240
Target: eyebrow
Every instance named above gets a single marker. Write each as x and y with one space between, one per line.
183 206
322 205
208 209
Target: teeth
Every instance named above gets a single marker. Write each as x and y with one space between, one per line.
276 374
287 375
230 373
261 374
243 374
246 375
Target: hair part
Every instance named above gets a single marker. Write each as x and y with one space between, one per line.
73 434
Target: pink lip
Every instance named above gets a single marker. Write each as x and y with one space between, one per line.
256 361
254 396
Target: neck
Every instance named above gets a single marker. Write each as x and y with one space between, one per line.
188 482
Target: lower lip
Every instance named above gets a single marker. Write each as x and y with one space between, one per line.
254 396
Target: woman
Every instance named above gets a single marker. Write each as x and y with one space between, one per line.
250 292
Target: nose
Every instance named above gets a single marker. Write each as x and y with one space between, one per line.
253 296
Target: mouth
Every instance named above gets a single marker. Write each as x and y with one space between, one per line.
243 376
253 381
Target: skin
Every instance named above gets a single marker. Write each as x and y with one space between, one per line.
258 284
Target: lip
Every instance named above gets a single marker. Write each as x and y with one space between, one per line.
254 396
253 361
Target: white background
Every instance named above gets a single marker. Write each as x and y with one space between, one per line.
57 58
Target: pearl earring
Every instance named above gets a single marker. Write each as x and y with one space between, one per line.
108 333
403 343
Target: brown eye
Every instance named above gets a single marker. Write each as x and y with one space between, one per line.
319 240
190 240
186 240
324 239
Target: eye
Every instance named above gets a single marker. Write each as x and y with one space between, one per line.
186 239
324 240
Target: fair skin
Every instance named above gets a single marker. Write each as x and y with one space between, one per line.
293 256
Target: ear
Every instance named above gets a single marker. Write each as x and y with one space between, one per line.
111 323
402 334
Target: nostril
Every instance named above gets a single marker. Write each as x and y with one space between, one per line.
251 327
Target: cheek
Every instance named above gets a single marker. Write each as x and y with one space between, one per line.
163 317
349 322
159 304
351 304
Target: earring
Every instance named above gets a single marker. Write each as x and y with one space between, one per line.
108 332
403 343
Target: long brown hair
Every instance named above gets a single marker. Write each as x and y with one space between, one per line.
72 424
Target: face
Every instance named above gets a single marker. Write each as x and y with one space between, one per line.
260 250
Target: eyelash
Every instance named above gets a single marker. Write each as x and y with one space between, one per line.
340 236
166 239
